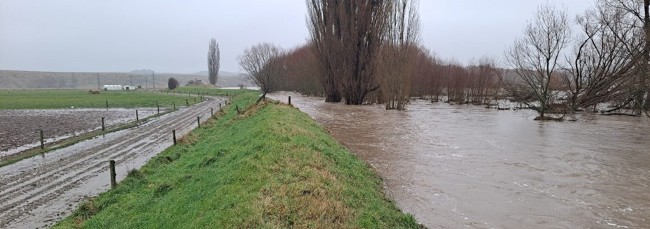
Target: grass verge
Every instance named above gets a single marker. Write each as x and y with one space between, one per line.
270 166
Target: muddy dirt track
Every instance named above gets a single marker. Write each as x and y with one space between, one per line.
37 192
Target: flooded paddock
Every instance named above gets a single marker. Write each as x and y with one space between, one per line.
39 191
455 166
19 129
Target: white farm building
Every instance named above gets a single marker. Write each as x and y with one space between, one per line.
118 88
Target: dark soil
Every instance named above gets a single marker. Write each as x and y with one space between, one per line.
21 127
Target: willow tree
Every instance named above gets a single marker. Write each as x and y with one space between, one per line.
638 13
213 61
399 55
263 64
347 36
602 68
534 57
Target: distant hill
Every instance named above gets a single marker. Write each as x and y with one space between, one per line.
221 73
11 79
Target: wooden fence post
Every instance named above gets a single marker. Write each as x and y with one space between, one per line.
113 174
42 140
289 100
198 121
158 106
137 118
174 136
103 126
211 112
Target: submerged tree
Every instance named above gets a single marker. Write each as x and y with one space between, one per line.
300 72
398 57
262 62
213 61
637 17
602 67
534 57
327 39
347 36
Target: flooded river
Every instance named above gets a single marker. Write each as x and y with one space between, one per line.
466 166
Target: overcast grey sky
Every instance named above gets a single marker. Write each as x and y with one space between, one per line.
172 36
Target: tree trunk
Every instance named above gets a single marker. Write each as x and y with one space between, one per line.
355 99
332 91
646 54
334 97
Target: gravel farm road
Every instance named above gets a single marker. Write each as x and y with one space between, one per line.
37 192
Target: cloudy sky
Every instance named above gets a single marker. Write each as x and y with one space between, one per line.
172 36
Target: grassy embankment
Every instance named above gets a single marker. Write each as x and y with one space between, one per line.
269 167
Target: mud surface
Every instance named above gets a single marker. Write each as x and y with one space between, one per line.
469 167
37 192
21 127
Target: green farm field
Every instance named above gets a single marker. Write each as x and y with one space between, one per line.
62 98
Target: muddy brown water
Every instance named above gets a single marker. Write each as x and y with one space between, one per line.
466 166
39 191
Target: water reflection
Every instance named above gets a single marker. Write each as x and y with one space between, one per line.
467 166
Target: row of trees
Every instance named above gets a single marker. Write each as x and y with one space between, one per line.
368 51
355 47
426 77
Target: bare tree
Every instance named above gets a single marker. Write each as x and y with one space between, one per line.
263 64
324 25
213 61
638 13
602 67
535 56
348 36
398 56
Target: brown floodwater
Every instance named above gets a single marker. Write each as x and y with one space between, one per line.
457 166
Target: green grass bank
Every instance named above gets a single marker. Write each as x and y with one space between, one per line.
271 166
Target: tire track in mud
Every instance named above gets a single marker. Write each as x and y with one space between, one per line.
97 151
28 185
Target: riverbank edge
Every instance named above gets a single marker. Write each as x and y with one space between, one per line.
263 165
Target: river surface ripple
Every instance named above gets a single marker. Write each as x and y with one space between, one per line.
457 166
